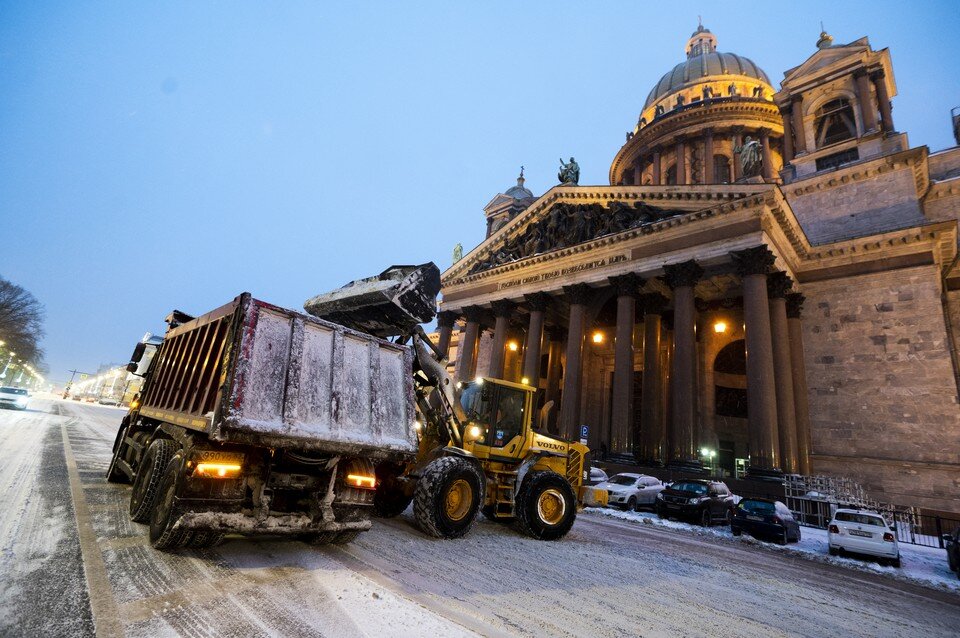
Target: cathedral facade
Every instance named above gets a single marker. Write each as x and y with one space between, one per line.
768 284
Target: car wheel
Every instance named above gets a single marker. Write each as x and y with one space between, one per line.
799 536
705 519
783 540
632 504
661 511
834 551
736 531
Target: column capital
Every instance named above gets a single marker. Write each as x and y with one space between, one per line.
628 284
764 131
877 75
859 73
446 318
753 261
578 294
779 284
786 110
708 131
686 273
538 300
795 304
656 150
653 303
474 314
503 307
737 130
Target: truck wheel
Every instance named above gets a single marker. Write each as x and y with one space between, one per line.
162 515
447 497
203 540
114 474
390 499
148 478
546 506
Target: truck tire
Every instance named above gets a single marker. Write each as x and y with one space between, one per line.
148 478
162 514
546 506
390 499
114 474
448 496
203 540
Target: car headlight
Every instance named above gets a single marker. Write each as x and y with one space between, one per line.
696 500
659 496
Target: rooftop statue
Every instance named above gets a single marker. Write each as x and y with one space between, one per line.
750 155
457 252
569 174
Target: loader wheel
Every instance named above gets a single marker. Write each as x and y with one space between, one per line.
447 497
390 499
114 474
163 516
147 480
546 506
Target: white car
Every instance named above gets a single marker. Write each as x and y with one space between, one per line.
631 491
15 398
863 532
597 475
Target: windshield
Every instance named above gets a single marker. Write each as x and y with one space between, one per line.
13 390
862 519
497 409
622 479
696 488
757 507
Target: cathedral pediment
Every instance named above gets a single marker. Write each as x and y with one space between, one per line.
825 58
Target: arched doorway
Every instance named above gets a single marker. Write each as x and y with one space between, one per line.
730 399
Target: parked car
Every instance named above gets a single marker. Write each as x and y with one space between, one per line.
597 475
863 532
15 398
704 501
108 401
952 543
631 491
763 518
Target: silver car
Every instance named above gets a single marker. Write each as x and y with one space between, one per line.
631 491
15 398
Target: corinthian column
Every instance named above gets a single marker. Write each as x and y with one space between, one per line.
682 278
467 351
883 101
867 111
795 327
501 310
753 265
653 434
778 285
681 151
445 321
578 295
656 167
627 287
537 302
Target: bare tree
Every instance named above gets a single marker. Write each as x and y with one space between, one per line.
21 321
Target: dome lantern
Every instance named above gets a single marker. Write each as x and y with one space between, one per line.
701 42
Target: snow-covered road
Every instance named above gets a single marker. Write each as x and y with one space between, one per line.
63 526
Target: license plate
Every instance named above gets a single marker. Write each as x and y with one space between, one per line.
754 518
216 456
856 532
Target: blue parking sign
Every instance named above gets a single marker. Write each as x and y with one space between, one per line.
584 430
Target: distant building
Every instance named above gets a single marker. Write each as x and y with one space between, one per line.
791 300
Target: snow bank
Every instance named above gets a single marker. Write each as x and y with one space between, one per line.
923 565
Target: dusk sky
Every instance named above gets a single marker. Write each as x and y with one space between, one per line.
172 155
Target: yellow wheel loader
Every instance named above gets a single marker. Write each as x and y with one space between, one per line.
481 449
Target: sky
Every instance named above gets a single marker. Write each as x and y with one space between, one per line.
173 155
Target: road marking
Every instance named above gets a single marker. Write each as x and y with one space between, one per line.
106 620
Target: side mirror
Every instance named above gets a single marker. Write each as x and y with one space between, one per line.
132 366
137 353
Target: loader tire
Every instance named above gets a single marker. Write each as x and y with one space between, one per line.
114 474
163 515
546 506
147 481
390 499
448 496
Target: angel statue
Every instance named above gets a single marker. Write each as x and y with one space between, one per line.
569 174
751 157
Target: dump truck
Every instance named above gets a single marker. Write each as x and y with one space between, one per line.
261 420
480 447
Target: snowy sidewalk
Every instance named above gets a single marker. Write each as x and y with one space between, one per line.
923 565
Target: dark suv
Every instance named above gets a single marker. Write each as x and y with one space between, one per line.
706 502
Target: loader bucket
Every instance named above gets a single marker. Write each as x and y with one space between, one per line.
390 304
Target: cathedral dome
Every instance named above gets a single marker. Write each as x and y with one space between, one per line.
706 66
520 191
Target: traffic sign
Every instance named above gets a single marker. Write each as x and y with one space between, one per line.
584 431
82 377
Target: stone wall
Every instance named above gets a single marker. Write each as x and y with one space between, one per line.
883 397
857 207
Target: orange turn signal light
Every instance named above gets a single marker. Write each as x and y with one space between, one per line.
217 470
359 480
134 404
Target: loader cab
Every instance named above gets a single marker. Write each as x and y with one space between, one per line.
501 413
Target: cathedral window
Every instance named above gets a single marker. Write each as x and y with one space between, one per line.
721 169
672 175
835 123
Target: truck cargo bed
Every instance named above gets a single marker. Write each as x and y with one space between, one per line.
255 373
